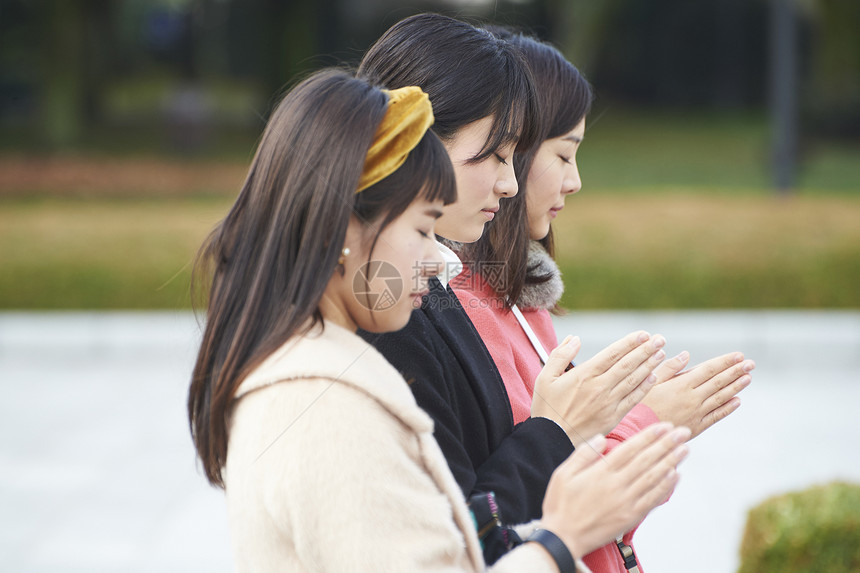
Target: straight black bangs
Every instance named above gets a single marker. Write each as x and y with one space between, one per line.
514 109
572 99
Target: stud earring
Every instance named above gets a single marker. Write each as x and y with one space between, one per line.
343 255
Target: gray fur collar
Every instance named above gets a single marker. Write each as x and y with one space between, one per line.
545 295
453 245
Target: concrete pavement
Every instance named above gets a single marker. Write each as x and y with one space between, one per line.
97 471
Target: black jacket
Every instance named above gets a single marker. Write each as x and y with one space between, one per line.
454 379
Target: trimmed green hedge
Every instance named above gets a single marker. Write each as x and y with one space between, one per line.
810 531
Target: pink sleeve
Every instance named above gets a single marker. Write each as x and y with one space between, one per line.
607 558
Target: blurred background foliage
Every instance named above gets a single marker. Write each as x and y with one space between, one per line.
126 127
814 530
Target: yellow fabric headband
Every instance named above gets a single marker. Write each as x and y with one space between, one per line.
406 120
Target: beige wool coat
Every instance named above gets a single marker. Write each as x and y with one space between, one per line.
331 466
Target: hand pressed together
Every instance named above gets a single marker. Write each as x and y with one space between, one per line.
702 396
591 499
595 395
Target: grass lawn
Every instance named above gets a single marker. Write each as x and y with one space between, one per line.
661 251
694 251
59 253
675 213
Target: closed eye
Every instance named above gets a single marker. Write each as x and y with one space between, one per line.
501 159
565 159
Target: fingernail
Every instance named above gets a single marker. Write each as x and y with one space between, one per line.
658 342
681 452
650 381
681 434
745 381
574 340
738 357
659 356
660 428
683 357
749 365
671 475
595 442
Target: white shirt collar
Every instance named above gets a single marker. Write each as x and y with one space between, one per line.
453 265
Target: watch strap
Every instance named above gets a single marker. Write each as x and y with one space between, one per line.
556 548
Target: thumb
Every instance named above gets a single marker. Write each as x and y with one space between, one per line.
562 355
672 367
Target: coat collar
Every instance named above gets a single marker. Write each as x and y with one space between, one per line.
332 352
453 265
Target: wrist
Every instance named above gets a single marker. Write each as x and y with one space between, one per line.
571 536
556 548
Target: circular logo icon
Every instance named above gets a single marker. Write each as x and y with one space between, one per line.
377 285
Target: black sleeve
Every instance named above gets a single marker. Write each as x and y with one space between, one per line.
519 470
473 422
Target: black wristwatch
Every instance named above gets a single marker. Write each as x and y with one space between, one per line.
556 548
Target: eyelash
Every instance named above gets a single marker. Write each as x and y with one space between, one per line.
565 159
424 234
501 160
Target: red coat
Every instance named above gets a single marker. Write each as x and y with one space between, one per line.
519 364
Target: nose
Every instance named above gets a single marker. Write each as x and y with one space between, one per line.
506 182
572 183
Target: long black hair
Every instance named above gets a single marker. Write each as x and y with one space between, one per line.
564 98
270 260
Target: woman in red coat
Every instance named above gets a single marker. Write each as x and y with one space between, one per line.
510 305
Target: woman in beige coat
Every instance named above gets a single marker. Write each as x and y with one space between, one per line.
326 461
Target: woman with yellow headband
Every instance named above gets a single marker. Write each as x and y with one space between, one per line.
326 461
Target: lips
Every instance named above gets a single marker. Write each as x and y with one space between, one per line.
554 211
491 212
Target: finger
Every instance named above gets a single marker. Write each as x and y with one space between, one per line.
724 396
720 413
630 363
652 476
710 368
671 367
634 380
658 494
716 386
610 355
627 451
654 453
636 395
561 356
